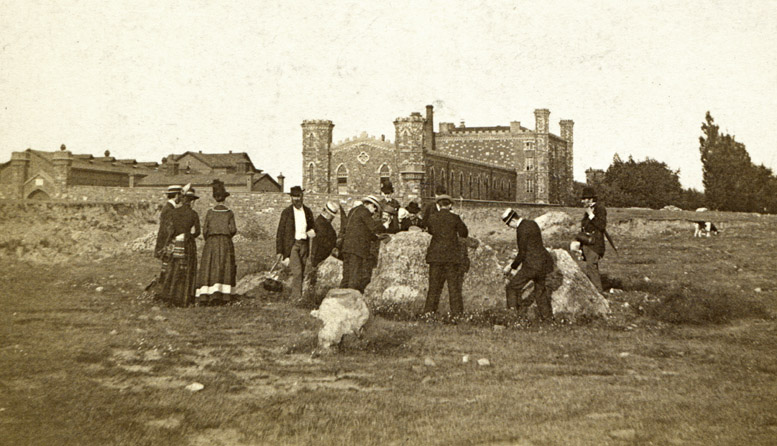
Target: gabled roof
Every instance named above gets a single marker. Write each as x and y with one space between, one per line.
220 160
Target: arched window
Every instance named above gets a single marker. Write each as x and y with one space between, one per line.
385 173
311 177
342 179
442 178
461 184
452 183
469 187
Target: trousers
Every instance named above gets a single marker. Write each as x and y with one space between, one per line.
439 274
540 295
297 260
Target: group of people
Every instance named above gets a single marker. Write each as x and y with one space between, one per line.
304 240
181 282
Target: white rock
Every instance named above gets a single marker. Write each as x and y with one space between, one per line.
99 289
484 362
499 327
465 359
429 362
195 387
702 210
160 318
576 295
624 354
646 279
114 332
758 290
342 311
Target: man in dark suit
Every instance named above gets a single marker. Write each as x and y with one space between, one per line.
321 248
362 229
173 201
431 208
594 226
295 228
443 256
535 262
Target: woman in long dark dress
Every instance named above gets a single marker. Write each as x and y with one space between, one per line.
184 227
217 268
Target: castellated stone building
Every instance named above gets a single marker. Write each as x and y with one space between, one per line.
501 163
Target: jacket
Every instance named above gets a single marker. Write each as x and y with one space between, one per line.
445 228
284 238
531 251
361 230
161 235
324 242
596 227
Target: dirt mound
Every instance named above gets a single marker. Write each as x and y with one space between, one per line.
642 228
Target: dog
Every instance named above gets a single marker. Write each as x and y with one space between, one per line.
704 228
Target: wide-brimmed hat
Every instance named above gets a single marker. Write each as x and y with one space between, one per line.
331 207
588 192
219 192
296 191
413 207
173 189
508 215
442 198
373 200
188 191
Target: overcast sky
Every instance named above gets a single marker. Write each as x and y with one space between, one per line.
147 78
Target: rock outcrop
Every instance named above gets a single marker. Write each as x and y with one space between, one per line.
343 312
574 296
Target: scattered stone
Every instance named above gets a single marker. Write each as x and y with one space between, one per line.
429 362
484 362
499 327
114 332
160 318
671 207
342 311
702 210
99 289
624 354
465 359
604 415
758 290
195 387
624 434
426 380
646 279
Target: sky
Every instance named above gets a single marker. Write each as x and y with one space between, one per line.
145 79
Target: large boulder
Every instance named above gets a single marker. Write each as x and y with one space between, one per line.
343 312
574 295
554 222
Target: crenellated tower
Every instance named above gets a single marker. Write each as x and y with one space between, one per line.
541 191
316 141
568 136
410 144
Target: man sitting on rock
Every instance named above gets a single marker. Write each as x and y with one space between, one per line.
535 262
362 229
442 256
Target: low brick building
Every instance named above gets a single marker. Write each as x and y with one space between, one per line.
501 163
37 174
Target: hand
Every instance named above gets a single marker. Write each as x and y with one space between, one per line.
508 269
589 211
311 233
285 262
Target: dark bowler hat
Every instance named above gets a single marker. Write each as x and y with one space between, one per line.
413 208
508 215
296 191
386 187
588 192
440 190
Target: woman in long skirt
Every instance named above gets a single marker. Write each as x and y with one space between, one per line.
184 227
217 268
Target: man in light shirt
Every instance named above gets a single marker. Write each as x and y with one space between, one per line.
295 228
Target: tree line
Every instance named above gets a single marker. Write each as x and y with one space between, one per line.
732 182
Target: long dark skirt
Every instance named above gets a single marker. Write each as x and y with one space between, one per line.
180 279
217 271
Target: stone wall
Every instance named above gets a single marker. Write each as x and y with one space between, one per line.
363 161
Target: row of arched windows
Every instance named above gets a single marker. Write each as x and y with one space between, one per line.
341 174
467 185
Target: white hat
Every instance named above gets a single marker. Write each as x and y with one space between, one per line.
173 188
508 215
373 200
331 207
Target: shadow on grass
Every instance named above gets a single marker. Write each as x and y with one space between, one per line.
684 303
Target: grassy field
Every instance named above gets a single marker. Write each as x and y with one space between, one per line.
688 357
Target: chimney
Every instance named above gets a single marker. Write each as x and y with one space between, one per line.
429 128
280 180
461 124
382 137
